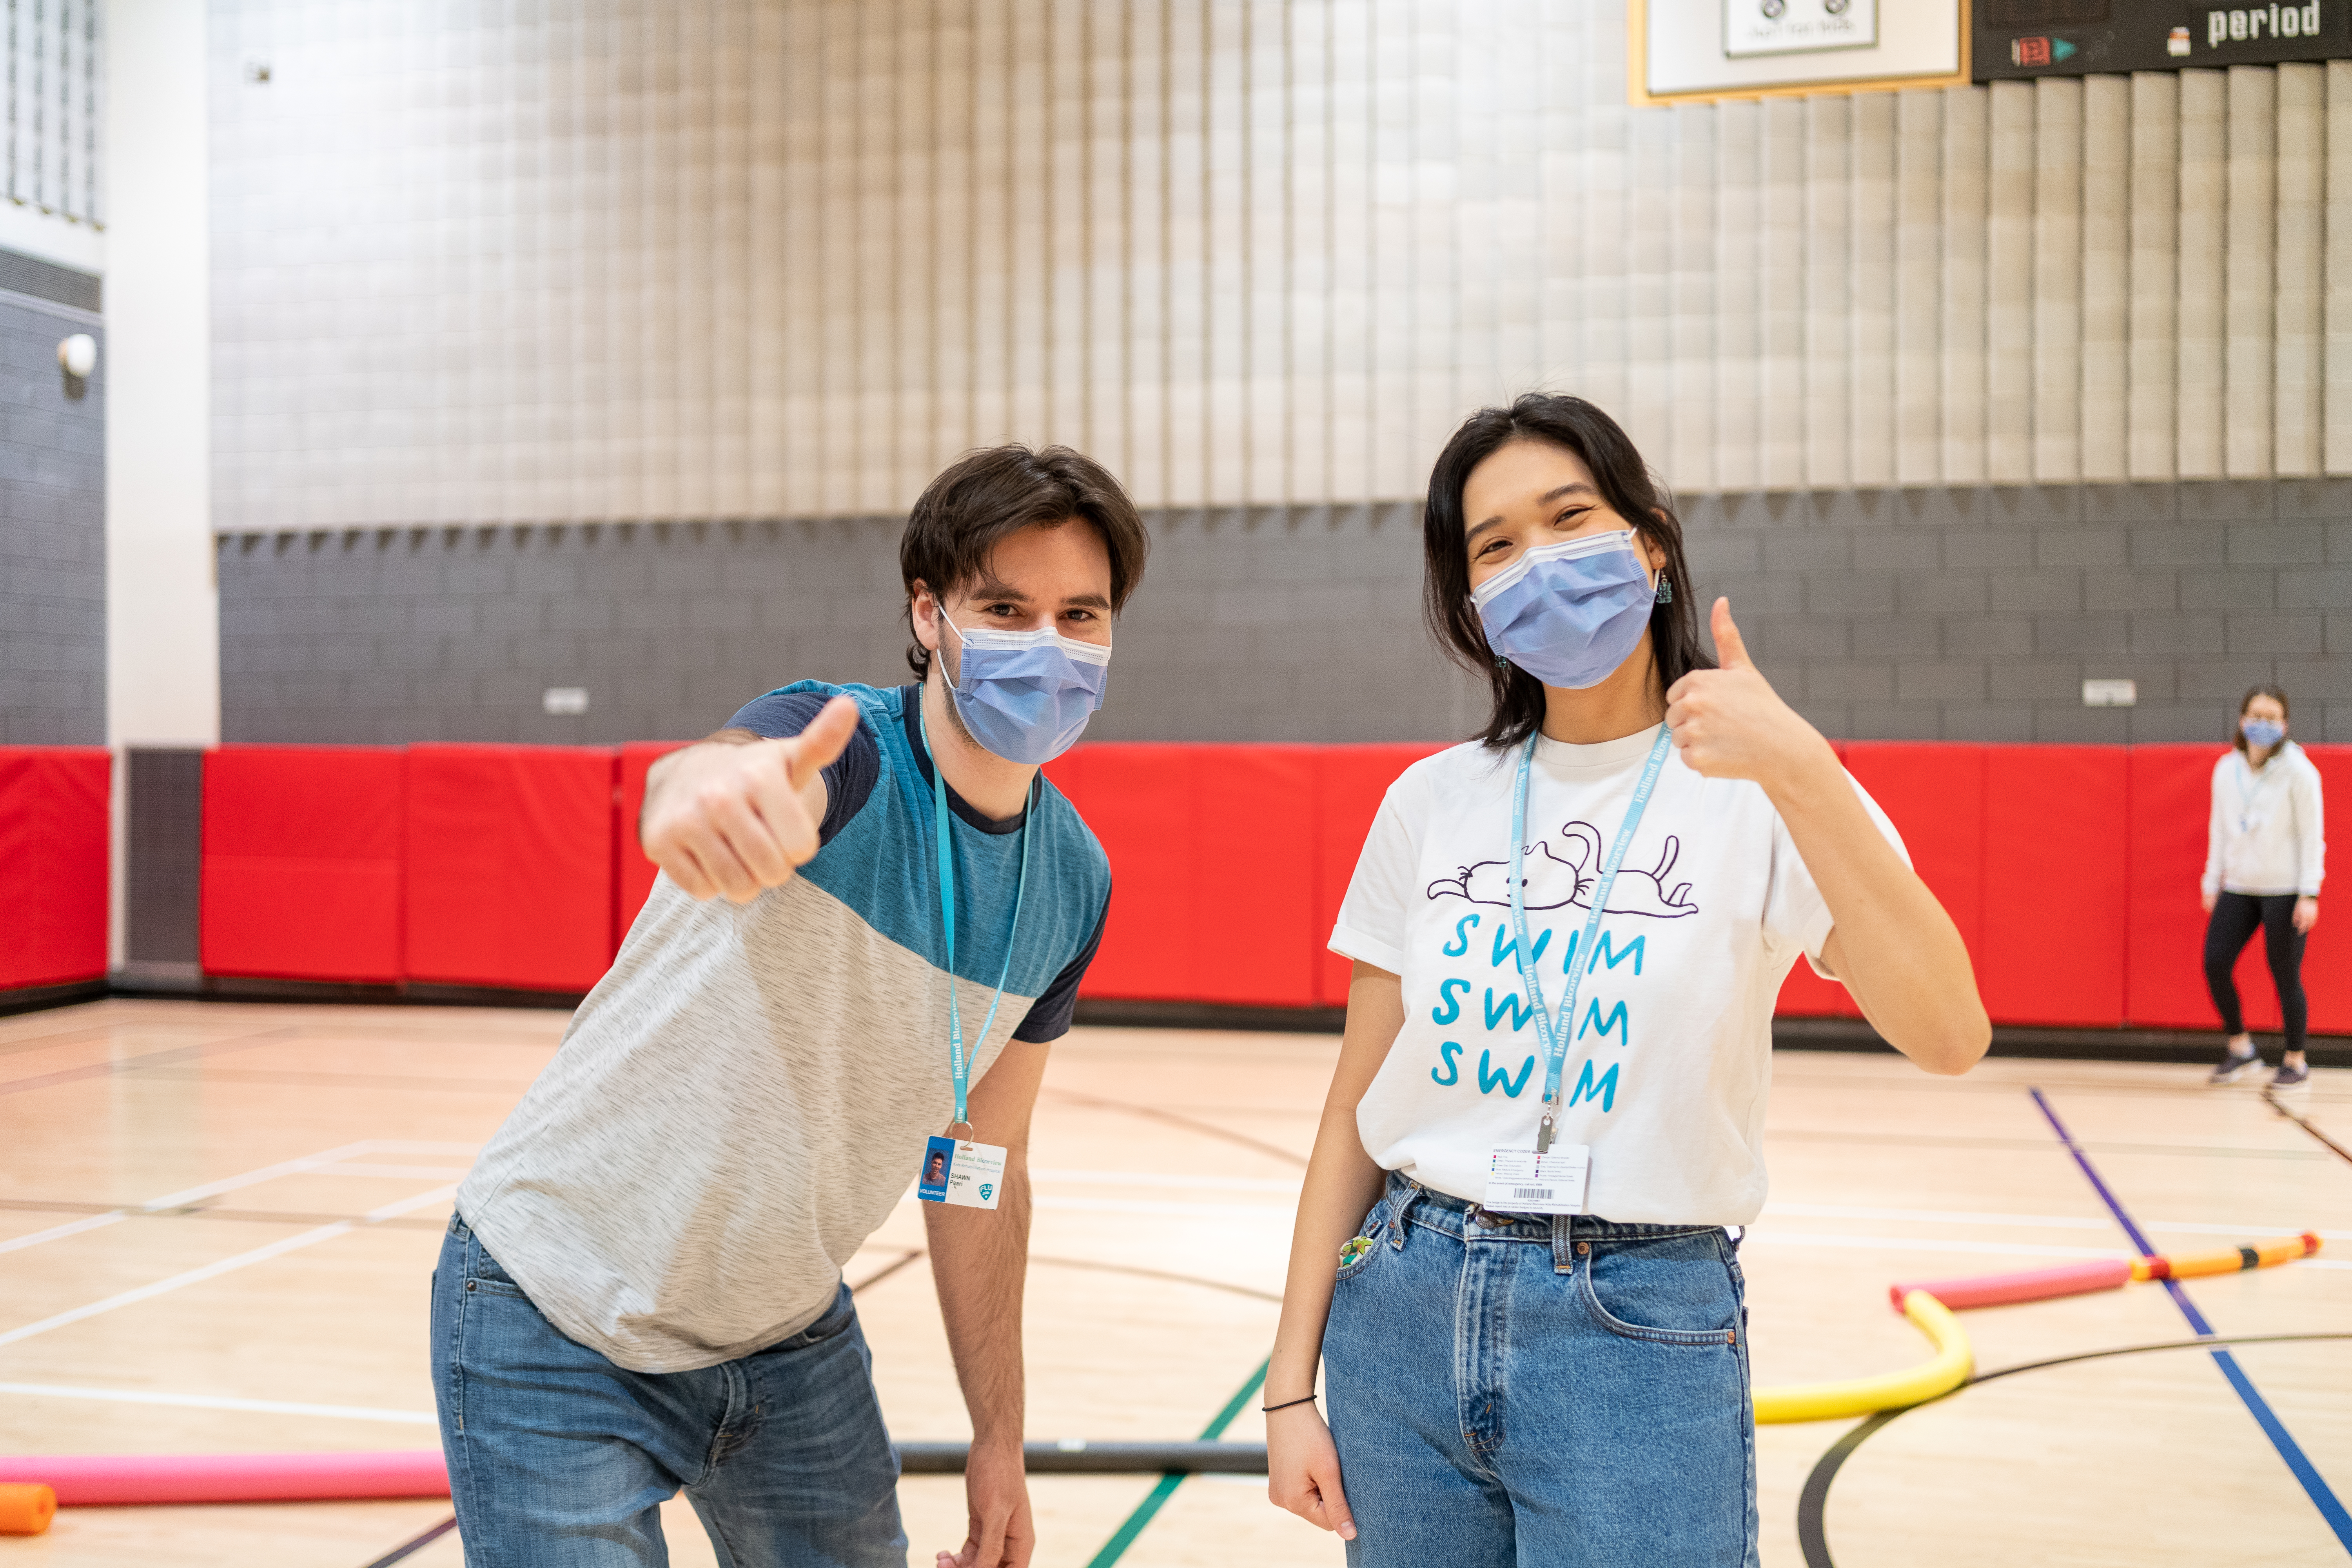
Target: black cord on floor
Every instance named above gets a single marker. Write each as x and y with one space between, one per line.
410 1548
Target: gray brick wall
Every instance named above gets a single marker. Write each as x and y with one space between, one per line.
1977 614
52 532
1931 614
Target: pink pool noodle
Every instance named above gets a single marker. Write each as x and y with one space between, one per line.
85 1481
2032 1285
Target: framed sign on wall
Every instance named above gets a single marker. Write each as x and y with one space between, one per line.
2077 38
1686 51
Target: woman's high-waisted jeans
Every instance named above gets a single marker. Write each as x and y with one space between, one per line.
1559 1390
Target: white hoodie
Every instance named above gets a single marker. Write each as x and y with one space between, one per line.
2266 836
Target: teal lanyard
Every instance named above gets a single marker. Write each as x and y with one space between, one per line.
1580 957
959 1059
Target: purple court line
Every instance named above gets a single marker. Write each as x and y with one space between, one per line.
2313 1484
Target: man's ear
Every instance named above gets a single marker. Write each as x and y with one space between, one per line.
923 610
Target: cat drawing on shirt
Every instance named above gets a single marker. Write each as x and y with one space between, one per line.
1553 881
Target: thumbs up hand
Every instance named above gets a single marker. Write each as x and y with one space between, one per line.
736 815
1730 724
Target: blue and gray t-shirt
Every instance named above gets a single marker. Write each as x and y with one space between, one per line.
743 1099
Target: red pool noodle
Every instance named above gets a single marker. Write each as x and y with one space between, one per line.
88 1481
2032 1285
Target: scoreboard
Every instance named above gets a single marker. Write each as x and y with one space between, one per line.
2013 39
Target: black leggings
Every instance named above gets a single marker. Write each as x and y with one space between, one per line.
2236 917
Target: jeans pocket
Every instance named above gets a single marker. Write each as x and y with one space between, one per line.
1356 1255
1668 1290
484 1275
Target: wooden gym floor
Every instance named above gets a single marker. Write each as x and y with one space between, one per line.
216 1221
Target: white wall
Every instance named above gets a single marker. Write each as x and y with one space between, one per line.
162 615
727 258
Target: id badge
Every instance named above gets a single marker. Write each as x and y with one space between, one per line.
966 1176
1520 1181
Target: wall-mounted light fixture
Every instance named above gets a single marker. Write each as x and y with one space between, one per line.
77 355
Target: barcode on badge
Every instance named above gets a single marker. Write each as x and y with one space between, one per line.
1536 1195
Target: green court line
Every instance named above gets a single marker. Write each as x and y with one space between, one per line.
1116 1547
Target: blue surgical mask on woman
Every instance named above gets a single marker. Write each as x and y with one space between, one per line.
2262 731
1571 613
1027 696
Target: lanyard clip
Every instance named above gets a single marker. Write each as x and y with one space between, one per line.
1544 1130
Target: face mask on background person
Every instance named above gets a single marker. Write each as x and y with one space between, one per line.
2262 731
1027 696
1571 613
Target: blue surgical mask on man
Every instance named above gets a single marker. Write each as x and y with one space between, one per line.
1027 696
1568 614
2262 731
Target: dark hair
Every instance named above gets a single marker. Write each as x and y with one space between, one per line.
984 496
2238 736
1574 425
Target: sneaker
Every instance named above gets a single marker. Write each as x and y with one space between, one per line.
2291 1074
2233 1068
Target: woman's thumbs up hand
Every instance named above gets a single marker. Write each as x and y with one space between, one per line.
1730 724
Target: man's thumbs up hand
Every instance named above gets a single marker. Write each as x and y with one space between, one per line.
1730 724
733 817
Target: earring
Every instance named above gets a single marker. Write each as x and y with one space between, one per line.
1665 589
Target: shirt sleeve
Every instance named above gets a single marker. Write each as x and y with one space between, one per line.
2216 824
1795 913
1049 1015
1373 917
849 778
2310 826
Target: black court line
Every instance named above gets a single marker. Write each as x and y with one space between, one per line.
153 1059
2269 1097
1254 1294
1812 1504
2298 1463
416 1543
1176 1119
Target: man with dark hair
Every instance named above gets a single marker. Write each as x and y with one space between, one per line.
641 1290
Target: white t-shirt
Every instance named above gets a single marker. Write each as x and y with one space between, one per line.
1670 1060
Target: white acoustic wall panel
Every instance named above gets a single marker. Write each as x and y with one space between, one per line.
2107 277
762 259
2335 352
2295 378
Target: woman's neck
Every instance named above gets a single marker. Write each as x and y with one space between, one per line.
2258 755
1631 700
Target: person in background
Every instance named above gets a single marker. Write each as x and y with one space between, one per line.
2265 852
1536 1348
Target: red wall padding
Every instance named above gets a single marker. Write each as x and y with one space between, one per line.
635 873
2165 988
510 865
301 862
2070 870
2055 820
53 863
1228 863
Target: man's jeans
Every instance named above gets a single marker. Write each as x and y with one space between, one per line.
1564 1392
558 1458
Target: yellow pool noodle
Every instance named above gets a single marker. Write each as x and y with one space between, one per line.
1946 1370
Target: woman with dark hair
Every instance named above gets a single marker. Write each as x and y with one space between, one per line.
2265 852
1533 1339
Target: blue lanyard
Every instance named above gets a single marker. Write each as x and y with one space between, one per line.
1580 957
959 1059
